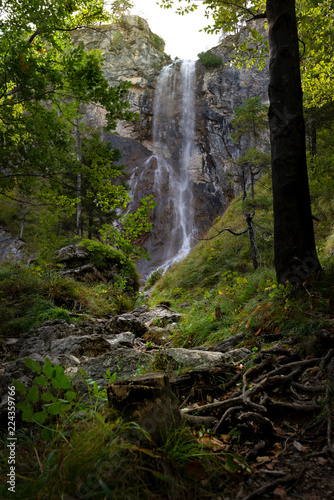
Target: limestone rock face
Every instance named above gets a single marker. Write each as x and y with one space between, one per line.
219 91
132 52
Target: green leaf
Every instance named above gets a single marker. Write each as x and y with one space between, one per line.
47 396
48 368
27 411
66 407
41 380
33 394
33 365
55 408
230 464
48 434
60 380
40 417
70 395
20 386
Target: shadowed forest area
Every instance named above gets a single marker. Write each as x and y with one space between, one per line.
212 376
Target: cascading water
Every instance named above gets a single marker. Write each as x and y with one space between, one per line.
173 144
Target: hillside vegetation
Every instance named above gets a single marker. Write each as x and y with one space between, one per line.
218 273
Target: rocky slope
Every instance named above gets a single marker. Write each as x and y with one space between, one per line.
127 344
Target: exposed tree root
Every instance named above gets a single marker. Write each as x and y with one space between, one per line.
289 478
271 407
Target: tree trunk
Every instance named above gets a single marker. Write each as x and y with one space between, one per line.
294 247
79 207
249 220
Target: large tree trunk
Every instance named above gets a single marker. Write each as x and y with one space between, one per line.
295 253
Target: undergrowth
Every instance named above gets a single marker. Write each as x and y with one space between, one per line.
30 296
218 273
71 447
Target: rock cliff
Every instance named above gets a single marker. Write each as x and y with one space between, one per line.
132 52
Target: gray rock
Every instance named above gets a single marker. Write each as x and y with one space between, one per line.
11 247
192 358
72 255
125 362
87 345
128 323
125 339
161 316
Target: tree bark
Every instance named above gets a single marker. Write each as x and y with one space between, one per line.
294 245
79 206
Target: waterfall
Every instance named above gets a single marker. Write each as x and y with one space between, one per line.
173 145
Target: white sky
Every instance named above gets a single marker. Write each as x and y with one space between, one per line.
181 33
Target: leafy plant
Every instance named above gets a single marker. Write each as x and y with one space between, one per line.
210 60
50 396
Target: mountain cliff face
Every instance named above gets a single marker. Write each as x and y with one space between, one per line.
132 52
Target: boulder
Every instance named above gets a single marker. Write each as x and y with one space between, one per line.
160 316
195 359
72 256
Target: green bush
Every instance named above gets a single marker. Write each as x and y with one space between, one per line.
113 264
209 60
153 278
157 41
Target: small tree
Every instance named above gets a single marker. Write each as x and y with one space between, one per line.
119 8
249 123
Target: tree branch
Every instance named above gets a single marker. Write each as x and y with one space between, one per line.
229 230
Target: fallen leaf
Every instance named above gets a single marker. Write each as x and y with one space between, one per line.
322 461
299 446
225 437
213 442
280 492
195 470
277 449
263 460
269 466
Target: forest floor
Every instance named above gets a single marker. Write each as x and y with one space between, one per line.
276 414
268 423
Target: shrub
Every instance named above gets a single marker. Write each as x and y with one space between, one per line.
153 278
113 264
209 60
